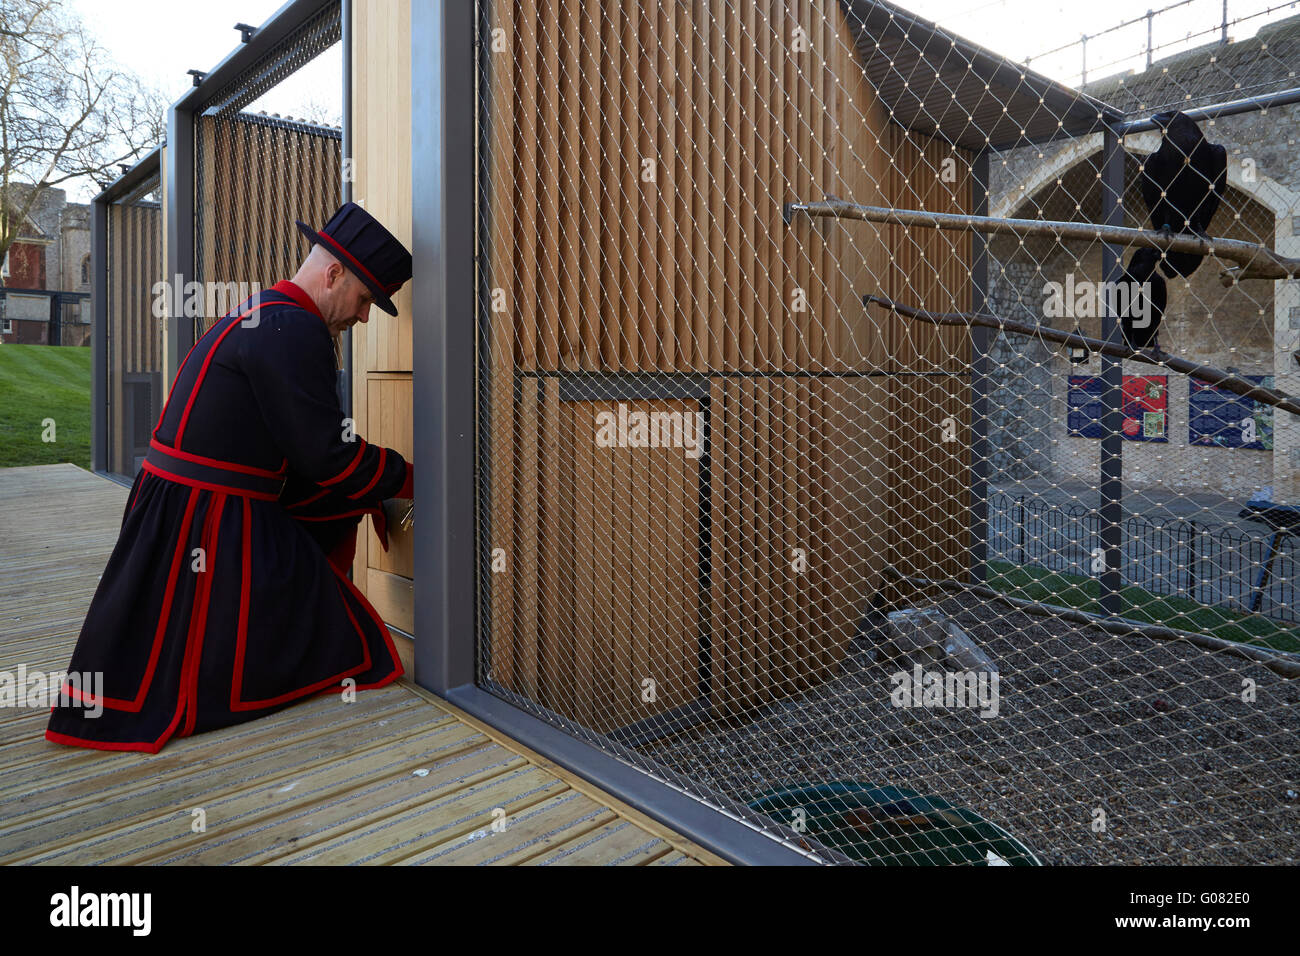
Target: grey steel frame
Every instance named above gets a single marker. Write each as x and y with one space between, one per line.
148 167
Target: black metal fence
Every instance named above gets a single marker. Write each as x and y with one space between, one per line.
1213 565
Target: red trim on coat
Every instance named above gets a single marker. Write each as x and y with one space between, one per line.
349 469
218 463
150 748
383 629
306 501
203 371
181 368
237 703
198 624
207 485
379 473
133 706
294 291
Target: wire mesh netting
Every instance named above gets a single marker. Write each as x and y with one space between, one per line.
258 170
996 566
133 333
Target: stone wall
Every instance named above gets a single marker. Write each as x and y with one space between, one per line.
1253 328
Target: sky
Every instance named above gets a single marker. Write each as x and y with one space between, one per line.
161 39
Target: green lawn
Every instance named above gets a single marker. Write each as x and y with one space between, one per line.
39 382
1076 591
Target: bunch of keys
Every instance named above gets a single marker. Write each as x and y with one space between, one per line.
399 511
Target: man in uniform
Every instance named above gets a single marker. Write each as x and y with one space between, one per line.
226 597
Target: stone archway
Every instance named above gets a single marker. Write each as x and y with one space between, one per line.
1027 422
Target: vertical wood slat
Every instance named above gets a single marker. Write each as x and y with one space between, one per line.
611 206
502 349
554 508
645 194
524 553
548 179
586 623
589 179
569 233
743 53
526 179
716 46
627 169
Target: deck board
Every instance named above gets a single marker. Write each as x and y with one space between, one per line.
396 776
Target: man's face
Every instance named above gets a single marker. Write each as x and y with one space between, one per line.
347 300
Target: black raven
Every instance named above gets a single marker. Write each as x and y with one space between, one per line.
1182 183
1151 298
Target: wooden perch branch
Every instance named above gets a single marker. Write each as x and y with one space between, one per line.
1206 373
1253 261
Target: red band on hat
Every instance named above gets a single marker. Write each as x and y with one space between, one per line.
389 289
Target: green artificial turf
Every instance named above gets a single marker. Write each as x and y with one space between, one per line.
1077 591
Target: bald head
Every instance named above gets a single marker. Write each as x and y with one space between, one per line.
341 297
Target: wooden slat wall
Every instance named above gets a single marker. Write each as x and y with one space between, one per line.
929 477
256 177
381 349
135 335
640 159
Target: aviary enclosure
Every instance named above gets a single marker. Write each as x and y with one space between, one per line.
709 471
853 451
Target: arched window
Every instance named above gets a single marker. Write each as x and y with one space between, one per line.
85 270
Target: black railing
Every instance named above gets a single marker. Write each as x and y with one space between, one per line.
1215 566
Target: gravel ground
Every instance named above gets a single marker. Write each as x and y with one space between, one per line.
1156 734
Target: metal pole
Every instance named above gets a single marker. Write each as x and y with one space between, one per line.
1249 104
180 236
442 166
1223 37
347 173
1150 15
1111 486
1083 81
99 381
979 384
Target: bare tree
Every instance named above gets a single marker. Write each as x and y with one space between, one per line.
66 112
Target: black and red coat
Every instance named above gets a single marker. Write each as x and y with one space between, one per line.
220 602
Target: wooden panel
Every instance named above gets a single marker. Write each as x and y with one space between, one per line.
381 348
381 147
930 265
606 596
393 596
388 423
134 333
929 475
639 158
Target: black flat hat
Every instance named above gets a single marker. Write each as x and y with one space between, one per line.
372 253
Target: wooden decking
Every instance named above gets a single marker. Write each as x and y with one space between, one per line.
398 776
